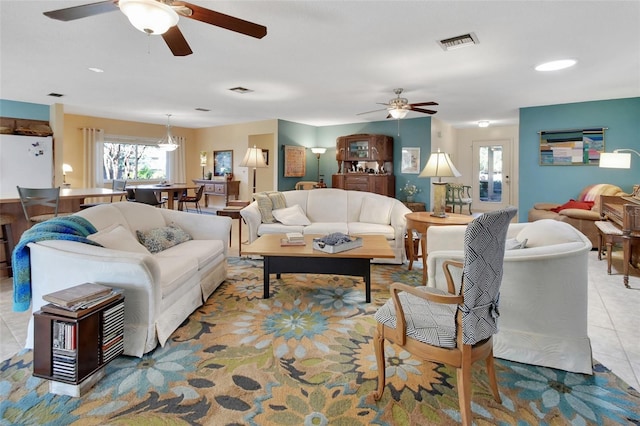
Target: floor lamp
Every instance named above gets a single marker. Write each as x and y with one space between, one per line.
253 158
618 159
318 152
439 165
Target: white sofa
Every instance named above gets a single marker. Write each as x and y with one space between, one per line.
161 290
338 210
543 297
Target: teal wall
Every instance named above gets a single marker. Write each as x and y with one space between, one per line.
25 110
414 132
559 184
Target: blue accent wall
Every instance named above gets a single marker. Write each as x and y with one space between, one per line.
414 132
24 110
558 184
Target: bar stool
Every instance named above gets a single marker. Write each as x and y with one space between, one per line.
6 239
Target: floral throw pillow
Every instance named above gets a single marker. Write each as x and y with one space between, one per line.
159 239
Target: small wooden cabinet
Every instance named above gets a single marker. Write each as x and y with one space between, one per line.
72 347
221 188
357 155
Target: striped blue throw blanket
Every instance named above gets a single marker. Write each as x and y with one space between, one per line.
71 228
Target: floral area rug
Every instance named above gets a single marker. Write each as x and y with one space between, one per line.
305 357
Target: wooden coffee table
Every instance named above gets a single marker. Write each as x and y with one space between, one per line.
304 259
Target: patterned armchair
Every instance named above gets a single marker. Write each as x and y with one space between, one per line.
458 195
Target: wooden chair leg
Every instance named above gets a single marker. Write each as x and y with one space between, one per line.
493 382
464 389
378 346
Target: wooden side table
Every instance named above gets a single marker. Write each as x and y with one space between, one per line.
420 222
234 213
415 207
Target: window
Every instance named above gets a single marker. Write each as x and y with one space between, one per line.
133 159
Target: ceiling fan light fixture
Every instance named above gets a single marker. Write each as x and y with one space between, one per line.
398 113
149 16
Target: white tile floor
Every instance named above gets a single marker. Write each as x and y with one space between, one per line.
614 317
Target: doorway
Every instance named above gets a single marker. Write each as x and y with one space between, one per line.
491 174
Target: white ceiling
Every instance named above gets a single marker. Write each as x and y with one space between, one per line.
323 62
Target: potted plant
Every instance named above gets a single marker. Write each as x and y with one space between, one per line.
410 190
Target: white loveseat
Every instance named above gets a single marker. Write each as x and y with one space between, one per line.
161 290
337 210
543 297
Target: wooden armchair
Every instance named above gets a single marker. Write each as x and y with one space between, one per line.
453 327
306 184
458 195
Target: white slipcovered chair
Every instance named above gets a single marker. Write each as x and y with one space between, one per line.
543 298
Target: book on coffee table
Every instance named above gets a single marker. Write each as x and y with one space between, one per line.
284 242
294 237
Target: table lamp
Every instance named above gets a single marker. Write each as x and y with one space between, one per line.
66 168
618 159
203 161
439 165
253 158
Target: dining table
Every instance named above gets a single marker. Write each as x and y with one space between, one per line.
70 201
170 189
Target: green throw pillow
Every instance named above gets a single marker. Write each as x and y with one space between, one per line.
159 239
265 206
277 200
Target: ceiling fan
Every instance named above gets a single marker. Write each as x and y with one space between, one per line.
161 17
399 107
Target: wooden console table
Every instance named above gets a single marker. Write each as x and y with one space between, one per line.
222 188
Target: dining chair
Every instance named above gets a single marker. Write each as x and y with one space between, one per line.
185 198
456 326
116 185
148 196
49 198
458 195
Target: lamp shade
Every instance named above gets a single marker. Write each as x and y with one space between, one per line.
167 143
615 160
149 16
439 165
253 158
319 150
203 158
66 168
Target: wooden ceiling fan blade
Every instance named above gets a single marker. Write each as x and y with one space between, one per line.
426 111
176 42
83 11
369 112
224 21
425 104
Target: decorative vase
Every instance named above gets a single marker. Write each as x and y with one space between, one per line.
409 198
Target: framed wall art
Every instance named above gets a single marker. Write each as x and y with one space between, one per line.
265 154
576 147
410 161
222 162
294 161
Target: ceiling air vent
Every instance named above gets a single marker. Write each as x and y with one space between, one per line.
240 90
458 41
55 95
203 109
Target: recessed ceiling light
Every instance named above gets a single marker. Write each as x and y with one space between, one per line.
96 69
483 123
556 65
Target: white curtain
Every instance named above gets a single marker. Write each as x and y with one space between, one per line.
176 168
93 140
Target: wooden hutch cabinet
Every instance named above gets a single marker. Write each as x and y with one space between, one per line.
365 163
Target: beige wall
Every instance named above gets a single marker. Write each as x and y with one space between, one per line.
237 137
73 149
